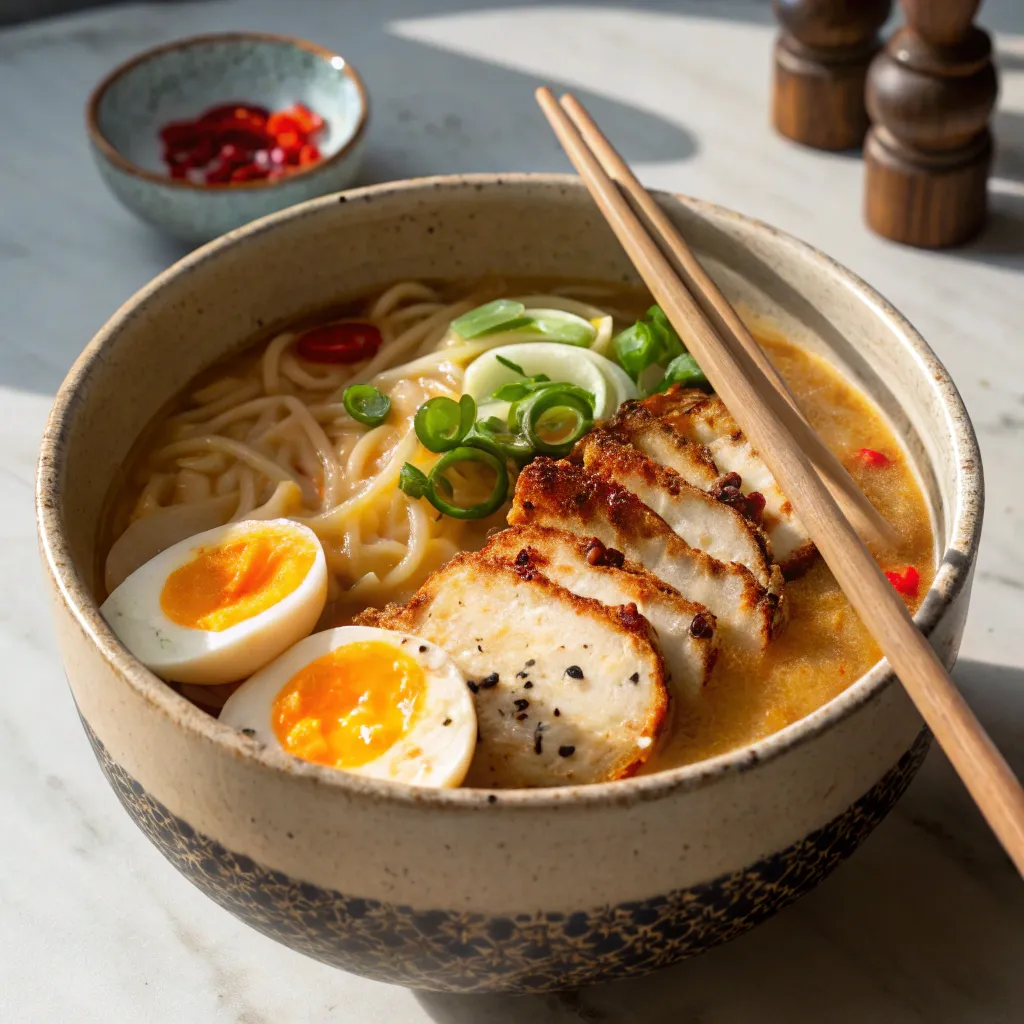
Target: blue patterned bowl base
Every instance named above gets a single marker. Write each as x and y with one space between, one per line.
470 952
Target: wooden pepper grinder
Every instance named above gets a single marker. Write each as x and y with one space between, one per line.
821 62
930 95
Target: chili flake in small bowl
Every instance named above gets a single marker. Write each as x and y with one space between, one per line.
236 142
202 135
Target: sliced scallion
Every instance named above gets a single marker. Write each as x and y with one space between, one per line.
412 481
684 370
668 341
565 328
364 403
514 367
531 411
487 317
636 348
494 436
437 481
516 389
441 423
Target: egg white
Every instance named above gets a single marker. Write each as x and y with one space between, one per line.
189 655
429 754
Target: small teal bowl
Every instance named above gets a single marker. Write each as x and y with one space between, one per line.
180 80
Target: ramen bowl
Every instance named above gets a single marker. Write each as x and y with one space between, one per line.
470 889
180 80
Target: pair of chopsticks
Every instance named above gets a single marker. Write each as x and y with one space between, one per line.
761 404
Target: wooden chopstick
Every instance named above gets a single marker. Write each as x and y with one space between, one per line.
866 519
746 391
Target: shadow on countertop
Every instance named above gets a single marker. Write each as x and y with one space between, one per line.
926 915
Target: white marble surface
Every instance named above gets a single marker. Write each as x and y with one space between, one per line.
926 923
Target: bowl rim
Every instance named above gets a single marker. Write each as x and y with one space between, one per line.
111 153
952 574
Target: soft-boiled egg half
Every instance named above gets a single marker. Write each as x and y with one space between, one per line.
224 603
364 700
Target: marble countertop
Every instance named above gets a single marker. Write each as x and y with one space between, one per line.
925 923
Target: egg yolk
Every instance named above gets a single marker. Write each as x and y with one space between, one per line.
228 583
349 706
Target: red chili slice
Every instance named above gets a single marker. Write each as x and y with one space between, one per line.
907 582
349 342
872 459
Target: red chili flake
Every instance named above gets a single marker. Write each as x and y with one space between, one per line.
309 154
906 582
235 112
284 121
291 144
349 342
872 459
238 142
179 133
308 120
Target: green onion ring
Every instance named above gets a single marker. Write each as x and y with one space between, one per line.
465 454
441 423
531 409
504 444
364 403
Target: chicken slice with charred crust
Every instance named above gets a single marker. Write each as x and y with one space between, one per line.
567 497
648 433
585 566
567 690
694 514
703 419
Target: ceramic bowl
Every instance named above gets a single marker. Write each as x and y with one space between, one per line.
182 79
470 890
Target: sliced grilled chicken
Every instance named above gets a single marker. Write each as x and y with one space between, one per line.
567 690
686 630
701 520
567 497
646 432
705 420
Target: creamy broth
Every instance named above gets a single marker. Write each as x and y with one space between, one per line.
825 646
382 550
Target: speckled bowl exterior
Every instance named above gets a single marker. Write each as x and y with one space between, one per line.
179 81
470 890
